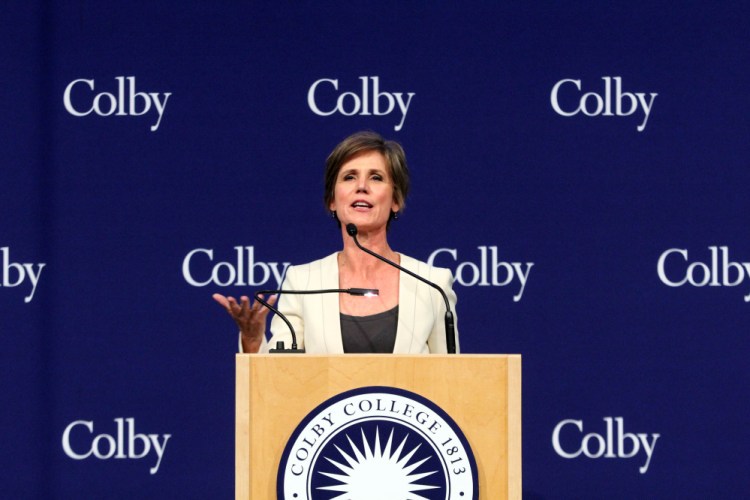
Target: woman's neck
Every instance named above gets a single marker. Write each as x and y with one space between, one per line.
357 261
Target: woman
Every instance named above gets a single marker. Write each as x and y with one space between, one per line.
366 183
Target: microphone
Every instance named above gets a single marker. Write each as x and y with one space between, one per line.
450 327
366 292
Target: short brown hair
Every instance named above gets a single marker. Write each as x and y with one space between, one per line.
360 142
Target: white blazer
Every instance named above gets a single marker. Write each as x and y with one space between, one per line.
316 320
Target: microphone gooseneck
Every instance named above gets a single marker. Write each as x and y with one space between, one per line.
450 327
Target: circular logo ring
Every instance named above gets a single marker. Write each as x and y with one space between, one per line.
374 443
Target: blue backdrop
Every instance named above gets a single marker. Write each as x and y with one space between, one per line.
594 156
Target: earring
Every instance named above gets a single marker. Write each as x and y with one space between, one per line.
333 214
394 215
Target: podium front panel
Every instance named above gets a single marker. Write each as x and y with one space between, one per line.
480 393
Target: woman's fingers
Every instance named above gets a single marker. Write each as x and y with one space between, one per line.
221 300
243 312
262 309
233 306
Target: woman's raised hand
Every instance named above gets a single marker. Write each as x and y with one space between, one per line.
251 319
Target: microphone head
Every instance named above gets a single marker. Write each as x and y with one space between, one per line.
351 229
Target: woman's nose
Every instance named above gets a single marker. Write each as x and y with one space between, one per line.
362 186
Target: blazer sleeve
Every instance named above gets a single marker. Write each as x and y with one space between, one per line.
436 341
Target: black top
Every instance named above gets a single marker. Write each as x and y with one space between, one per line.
370 334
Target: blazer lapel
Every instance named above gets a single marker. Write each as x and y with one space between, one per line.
407 300
330 310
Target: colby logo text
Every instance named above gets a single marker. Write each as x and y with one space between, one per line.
14 273
490 271
593 104
614 443
321 98
123 103
199 269
674 271
78 444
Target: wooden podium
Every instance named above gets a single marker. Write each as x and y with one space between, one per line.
481 393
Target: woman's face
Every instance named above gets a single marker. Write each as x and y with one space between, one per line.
363 194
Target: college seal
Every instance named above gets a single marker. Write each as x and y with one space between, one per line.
377 443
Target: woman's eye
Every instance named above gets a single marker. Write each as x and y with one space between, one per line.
348 177
377 177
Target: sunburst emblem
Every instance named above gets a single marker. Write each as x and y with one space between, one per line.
373 472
